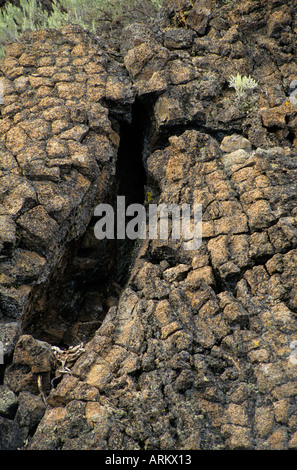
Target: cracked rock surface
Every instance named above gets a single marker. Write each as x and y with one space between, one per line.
198 350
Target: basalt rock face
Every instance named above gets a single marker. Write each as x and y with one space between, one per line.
196 349
58 158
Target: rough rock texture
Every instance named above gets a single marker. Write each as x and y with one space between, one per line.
58 158
199 351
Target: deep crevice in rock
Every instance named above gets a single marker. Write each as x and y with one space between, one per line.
166 132
73 302
131 177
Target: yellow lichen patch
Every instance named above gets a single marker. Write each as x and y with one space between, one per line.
99 375
55 415
93 412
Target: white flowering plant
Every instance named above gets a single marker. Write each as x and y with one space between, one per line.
244 87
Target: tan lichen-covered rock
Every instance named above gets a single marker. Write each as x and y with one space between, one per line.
242 327
197 349
49 155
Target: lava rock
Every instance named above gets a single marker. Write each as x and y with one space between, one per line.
8 402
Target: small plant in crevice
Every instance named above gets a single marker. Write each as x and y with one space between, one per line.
244 88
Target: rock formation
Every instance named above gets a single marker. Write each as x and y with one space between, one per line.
181 349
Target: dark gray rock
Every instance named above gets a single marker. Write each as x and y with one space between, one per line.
8 402
10 434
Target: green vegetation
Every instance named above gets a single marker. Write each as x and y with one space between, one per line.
89 14
242 84
244 87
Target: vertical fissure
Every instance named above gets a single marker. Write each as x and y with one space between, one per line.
72 304
131 176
